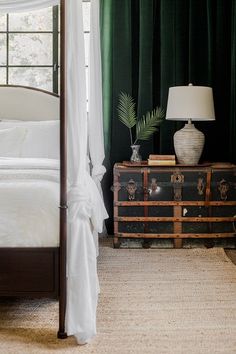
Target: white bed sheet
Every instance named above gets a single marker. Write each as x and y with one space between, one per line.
29 200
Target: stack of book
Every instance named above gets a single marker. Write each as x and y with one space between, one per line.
161 160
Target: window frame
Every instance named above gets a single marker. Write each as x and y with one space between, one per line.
55 50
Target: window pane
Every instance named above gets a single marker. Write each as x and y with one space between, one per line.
3 76
86 47
30 49
3 22
40 20
3 49
86 15
59 49
59 81
34 77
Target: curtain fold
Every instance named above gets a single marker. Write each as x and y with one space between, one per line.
116 77
85 204
95 111
95 104
232 144
79 203
106 25
8 6
145 56
144 73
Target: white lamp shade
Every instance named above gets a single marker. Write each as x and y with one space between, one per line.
190 102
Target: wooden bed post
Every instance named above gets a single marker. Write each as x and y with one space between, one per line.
63 183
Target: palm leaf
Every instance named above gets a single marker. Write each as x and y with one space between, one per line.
148 124
126 110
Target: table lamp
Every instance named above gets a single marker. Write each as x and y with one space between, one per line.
189 103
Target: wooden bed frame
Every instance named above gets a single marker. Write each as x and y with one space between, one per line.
39 272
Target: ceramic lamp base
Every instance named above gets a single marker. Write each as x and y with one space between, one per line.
188 143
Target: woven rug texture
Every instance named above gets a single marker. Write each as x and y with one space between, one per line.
161 301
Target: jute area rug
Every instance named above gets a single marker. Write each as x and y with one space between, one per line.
152 301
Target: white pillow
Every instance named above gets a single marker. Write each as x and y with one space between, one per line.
11 141
42 139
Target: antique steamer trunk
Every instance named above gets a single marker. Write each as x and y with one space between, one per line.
174 201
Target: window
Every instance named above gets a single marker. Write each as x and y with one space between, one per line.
29 49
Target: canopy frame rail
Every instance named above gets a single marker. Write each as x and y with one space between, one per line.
63 180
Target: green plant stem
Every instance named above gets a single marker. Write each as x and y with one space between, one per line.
131 138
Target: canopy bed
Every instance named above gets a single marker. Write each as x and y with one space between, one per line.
29 188
38 262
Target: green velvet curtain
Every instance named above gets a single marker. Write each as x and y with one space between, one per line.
150 45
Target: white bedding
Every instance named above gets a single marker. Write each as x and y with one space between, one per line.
29 200
33 139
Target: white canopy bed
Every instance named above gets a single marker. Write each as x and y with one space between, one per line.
81 206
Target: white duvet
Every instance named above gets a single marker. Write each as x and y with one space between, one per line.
29 200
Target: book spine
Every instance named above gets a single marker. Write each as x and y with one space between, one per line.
161 157
161 162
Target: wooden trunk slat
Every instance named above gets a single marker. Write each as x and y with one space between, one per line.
175 219
116 190
171 203
175 235
178 243
208 188
145 197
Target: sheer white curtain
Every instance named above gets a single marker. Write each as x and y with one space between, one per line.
95 114
25 5
84 200
96 139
